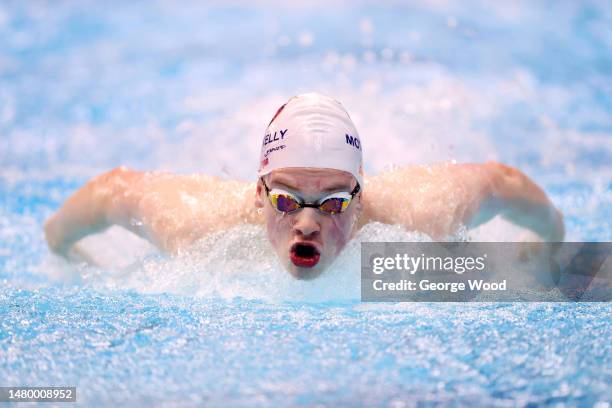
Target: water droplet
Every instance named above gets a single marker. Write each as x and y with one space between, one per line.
136 222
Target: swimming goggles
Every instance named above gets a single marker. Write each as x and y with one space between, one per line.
286 202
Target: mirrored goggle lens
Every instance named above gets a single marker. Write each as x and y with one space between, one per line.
284 202
334 205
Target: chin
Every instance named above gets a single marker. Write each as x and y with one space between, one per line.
304 273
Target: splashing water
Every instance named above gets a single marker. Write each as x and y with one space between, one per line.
237 263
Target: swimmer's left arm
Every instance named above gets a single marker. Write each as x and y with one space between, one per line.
518 199
438 199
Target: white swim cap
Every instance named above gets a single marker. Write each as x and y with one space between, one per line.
312 130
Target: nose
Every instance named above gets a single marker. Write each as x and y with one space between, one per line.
307 222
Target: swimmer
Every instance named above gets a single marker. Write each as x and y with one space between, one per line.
311 194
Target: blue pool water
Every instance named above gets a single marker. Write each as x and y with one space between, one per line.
185 87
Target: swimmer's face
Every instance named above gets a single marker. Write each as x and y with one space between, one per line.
294 234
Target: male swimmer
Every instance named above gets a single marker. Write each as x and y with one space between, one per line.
311 194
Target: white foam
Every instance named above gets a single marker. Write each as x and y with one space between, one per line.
239 262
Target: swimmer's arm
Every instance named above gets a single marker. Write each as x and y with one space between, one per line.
518 199
85 212
170 211
438 199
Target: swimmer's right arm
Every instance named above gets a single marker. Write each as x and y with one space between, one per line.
85 212
170 211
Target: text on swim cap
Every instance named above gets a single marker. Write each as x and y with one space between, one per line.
353 141
273 137
273 149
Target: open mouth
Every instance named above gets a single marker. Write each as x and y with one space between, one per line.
305 255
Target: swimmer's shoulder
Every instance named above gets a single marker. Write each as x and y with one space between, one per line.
414 175
194 182
398 177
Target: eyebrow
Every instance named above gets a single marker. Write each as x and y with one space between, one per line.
335 187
